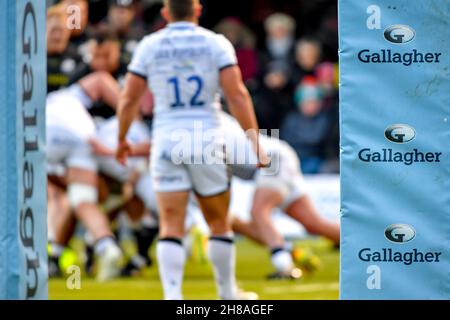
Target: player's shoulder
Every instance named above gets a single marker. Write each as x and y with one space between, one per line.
150 39
205 32
212 37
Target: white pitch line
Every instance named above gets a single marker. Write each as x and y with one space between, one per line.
301 288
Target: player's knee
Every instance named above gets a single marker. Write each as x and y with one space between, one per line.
79 194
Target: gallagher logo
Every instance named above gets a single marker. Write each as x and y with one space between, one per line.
400 133
399 233
399 34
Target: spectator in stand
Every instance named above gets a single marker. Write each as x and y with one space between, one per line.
307 129
274 95
308 57
244 43
61 61
327 33
280 40
273 100
151 16
308 54
327 74
308 63
105 53
120 21
327 77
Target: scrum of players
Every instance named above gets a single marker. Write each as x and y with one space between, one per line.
101 183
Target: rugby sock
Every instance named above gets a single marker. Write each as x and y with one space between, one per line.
89 263
282 260
103 243
55 249
222 253
171 258
145 232
54 252
144 239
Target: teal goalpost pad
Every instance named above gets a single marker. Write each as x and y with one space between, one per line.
23 194
395 149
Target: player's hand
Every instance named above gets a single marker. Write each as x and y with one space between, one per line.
123 152
264 160
100 149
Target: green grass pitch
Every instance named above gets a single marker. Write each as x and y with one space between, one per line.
253 264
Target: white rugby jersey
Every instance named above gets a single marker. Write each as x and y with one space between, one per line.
240 148
242 156
139 133
108 130
182 63
66 111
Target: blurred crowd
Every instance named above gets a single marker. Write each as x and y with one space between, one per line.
287 51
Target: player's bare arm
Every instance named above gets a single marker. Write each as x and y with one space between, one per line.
141 149
136 150
241 107
101 86
127 111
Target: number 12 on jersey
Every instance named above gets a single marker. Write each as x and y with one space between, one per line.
178 82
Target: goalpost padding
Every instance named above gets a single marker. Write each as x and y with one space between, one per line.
395 149
23 212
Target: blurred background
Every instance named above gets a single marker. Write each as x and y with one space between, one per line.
287 50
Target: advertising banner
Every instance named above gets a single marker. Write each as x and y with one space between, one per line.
23 223
395 149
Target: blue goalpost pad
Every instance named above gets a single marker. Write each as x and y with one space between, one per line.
23 192
395 149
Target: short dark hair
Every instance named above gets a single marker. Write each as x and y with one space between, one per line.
180 9
104 36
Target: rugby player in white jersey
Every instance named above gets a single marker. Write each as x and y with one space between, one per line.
185 66
69 128
136 196
279 186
